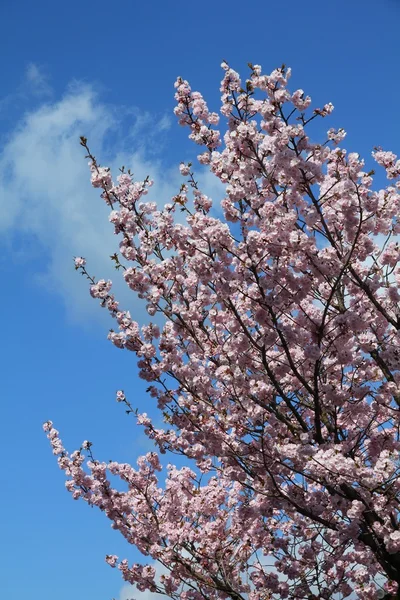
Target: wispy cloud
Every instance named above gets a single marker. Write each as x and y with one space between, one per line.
48 209
37 80
45 195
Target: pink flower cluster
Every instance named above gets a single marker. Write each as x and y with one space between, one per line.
277 368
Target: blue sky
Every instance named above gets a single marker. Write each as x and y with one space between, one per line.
106 70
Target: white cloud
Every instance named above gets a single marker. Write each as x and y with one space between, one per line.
47 206
37 80
45 191
127 592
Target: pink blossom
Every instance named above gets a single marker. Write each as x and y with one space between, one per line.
79 262
272 353
184 169
111 559
120 396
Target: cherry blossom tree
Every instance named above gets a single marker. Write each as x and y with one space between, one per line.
276 366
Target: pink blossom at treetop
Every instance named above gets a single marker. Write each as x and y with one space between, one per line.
276 367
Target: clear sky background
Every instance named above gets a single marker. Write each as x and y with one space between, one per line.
106 70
